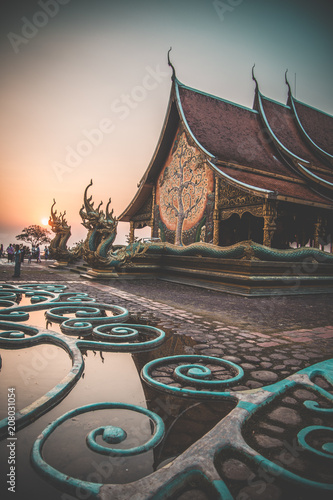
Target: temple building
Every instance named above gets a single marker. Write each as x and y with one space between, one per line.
223 173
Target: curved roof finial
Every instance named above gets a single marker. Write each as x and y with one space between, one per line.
286 80
171 65
254 79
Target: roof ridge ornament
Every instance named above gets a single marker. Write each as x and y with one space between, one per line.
254 79
287 83
171 65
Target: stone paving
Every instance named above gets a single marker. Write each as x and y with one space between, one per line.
265 355
253 333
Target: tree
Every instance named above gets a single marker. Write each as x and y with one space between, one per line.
36 235
183 186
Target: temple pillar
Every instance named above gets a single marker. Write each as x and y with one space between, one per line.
317 229
270 214
216 213
216 227
152 220
131 234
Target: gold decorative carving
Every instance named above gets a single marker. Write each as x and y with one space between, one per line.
183 187
270 215
230 196
153 206
256 211
317 231
216 234
131 235
144 214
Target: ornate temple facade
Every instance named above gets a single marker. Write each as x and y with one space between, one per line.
223 173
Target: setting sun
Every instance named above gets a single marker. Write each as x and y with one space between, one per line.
45 221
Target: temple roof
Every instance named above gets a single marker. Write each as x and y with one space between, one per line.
317 125
274 150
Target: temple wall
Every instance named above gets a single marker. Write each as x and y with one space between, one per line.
184 196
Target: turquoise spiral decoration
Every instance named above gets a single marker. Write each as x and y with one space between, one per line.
313 405
192 370
109 433
326 447
130 335
115 435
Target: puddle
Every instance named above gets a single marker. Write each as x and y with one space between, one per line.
107 376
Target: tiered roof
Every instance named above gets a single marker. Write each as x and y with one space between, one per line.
281 151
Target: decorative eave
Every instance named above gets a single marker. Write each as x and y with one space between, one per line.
270 194
266 193
187 128
301 165
323 154
311 176
292 170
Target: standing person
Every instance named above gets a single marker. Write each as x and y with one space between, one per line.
22 248
17 257
10 253
38 254
1 250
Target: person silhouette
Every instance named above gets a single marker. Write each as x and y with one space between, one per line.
17 260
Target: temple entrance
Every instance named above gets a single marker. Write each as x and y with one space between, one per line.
236 228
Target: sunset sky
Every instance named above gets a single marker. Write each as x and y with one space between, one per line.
85 87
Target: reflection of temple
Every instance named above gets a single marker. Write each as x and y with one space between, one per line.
222 173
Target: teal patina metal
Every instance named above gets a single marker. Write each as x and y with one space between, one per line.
128 332
248 249
191 370
112 434
97 249
58 246
196 377
89 314
326 447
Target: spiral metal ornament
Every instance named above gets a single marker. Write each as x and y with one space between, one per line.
110 435
130 337
13 332
7 295
8 315
115 435
207 375
313 405
86 315
327 448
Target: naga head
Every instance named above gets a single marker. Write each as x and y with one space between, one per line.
58 223
94 218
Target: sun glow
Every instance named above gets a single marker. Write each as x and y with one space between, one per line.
45 221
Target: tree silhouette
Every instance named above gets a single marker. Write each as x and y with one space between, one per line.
36 235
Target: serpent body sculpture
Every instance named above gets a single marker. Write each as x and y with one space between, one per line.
243 250
58 246
98 250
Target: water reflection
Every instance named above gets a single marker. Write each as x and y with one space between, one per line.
110 377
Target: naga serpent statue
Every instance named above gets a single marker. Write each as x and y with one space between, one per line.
58 246
98 250
248 250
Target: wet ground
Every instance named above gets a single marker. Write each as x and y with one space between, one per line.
270 338
270 314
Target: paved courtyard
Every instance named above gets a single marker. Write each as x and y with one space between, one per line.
257 331
270 338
